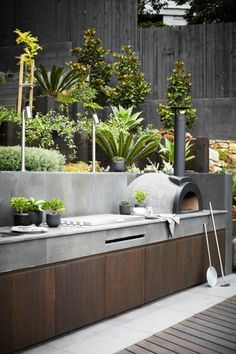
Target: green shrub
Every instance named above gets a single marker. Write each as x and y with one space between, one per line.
36 159
178 95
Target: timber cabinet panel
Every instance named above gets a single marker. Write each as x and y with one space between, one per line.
193 260
33 299
79 293
124 280
6 314
163 269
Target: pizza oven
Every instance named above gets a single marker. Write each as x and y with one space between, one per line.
176 193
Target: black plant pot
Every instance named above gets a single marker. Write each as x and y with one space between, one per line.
21 219
36 217
118 166
140 205
125 209
53 220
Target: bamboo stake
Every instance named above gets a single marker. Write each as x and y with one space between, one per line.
31 90
20 89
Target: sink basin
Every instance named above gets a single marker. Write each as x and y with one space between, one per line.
101 219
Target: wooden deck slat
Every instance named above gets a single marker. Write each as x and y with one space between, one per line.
227 346
185 343
226 308
223 313
207 324
153 348
214 332
197 342
163 343
218 314
215 320
209 332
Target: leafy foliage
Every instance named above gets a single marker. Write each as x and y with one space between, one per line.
8 115
54 206
125 145
55 82
123 119
140 196
82 166
234 186
209 11
178 95
131 88
40 130
31 45
156 5
167 151
36 159
35 204
90 61
20 204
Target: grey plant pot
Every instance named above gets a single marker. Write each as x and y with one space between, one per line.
21 219
125 209
36 217
53 220
118 166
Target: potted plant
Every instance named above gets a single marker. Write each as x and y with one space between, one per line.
118 164
35 211
54 207
141 198
125 207
21 205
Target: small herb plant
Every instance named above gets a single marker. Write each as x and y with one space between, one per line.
124 202
178 95
54 206
35 205
140 196
20 204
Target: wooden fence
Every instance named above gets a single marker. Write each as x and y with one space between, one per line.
209 52
65 20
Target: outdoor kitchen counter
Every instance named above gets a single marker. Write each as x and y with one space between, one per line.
71 242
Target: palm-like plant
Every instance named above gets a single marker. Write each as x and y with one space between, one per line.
123 118
126 146
54 82
167 151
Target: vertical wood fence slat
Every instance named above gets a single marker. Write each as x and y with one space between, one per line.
208 51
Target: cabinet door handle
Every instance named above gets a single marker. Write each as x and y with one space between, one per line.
124 239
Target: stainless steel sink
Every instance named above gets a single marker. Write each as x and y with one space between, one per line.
101 219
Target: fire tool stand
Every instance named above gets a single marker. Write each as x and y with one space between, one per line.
27 110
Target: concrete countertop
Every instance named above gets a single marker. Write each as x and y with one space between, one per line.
71 242
6 236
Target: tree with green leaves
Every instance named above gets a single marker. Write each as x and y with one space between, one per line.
154 5
209 11
178 95
90 63
130 88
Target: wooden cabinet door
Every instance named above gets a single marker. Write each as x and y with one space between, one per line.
124 280
193 260
6 314
79 293
33 302
163 269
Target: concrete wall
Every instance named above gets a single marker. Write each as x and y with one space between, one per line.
98 193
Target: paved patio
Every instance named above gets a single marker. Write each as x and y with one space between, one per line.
117 333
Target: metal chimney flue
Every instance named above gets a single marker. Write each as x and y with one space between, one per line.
179 141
